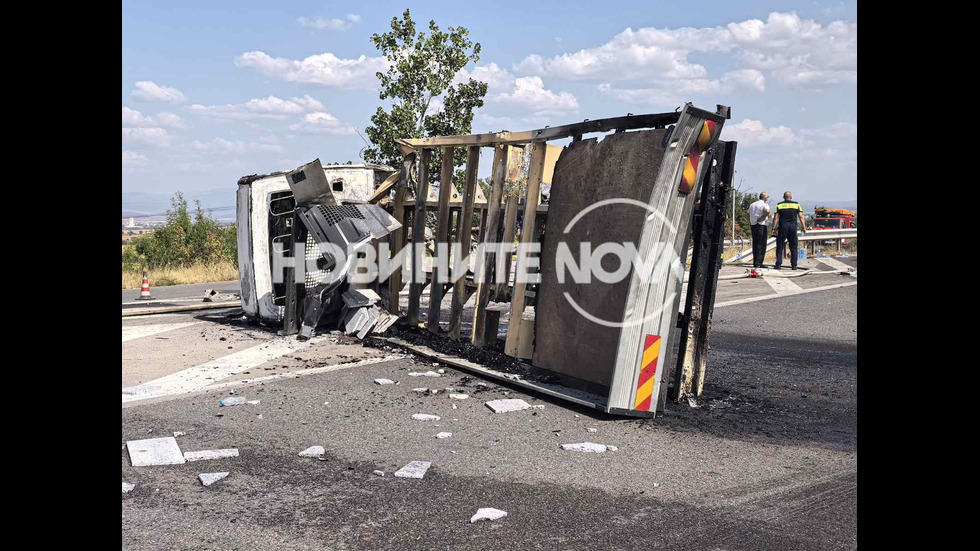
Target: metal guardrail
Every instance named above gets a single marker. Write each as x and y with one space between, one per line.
811 235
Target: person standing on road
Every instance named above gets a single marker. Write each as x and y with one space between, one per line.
784 227
758 219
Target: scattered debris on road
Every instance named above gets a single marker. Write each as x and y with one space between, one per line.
590 429
444 435
154 451
362 316
384 382
255 402
429 373
588 447
127 487
459 396
208 479
232 401
179 433
210 454
488 513
312 451
379 473
507 405
415 469
425 417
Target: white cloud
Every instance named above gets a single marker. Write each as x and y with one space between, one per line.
529 92
324 69
680 91
835 131
150 91
330 24
322 122
153 137
751 133
797 52
170 120
131 158
221 145
132 118
526 94
259 108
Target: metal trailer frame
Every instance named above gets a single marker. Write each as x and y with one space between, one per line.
695 165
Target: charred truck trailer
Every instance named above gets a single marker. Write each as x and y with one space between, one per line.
266 206
655 185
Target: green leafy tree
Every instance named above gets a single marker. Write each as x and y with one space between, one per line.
183 241
423 67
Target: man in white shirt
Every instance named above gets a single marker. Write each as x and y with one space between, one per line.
759 220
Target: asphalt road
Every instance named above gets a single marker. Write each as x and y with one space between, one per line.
767 461
181 293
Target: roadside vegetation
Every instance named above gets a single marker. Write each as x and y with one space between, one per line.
190 248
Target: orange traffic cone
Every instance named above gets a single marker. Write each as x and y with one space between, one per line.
145 290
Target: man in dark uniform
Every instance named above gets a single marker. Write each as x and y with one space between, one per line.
784 227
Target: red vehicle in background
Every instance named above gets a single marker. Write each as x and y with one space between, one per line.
833 219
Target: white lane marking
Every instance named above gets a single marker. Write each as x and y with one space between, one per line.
835 264
202 375
291 375
311 371
782 285
770 297
138 331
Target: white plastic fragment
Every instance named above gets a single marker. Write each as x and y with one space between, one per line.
507 405
312 451
179 433
429 373
232 401
539 406
420 389
379 473
210 454
441 371
415 469
208 479
459 396
127 487
384 381
255 402
425 417
488 513
444 435
154 451
590 429
588 447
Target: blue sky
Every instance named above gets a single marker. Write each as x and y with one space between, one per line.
215 90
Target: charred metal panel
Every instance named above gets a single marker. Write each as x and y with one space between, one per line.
246 270
310 185
621 166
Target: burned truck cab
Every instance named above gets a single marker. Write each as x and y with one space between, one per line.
265 207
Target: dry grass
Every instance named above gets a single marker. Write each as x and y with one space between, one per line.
198 273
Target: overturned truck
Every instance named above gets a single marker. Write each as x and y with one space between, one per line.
582 285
